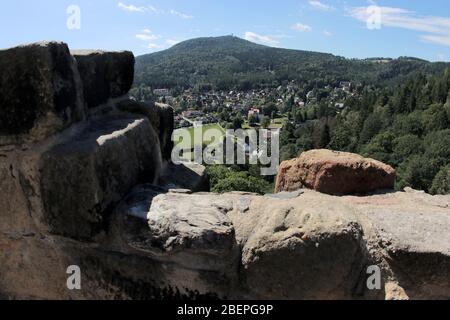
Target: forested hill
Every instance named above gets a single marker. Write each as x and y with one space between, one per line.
233 63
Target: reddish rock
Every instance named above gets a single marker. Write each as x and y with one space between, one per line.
336 173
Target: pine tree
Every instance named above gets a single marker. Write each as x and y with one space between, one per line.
324 136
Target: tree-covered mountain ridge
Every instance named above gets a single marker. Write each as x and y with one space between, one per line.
232 63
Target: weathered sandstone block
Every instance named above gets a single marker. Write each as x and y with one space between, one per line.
189 176
336 173
82 179
160 115
203 227
287 248
40 92
413 231
307 247
166 127
301 245
105 75
190 236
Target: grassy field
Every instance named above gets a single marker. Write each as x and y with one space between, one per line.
277 123
187 145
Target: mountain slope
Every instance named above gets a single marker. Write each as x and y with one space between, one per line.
230 62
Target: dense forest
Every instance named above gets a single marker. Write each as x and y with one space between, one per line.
407 126
239 178
225 63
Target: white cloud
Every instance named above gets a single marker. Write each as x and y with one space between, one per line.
301 27
438 28
134 8
316 4
398 17
442 40
172 42
147 37
251 36
131 7
155 41
154 9
152 46
327 33
180 14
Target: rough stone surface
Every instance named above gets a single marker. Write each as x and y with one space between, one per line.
84 176
160 115
203 227
187 175
166 128
412 230
198 244
302 245
105 75
310 241
336 173
40 92
283 242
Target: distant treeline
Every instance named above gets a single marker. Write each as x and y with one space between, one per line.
227 63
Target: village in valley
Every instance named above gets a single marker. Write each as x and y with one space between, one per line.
268 108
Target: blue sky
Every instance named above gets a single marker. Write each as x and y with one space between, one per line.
351 28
